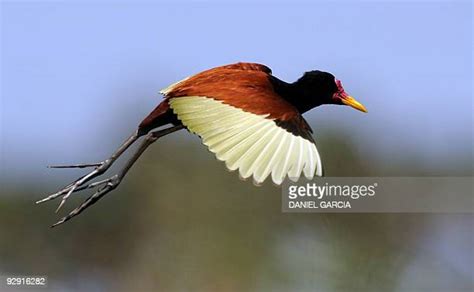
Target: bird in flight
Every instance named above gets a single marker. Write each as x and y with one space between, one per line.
247 117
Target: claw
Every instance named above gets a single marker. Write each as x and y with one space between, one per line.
66 196
91 200
84 165
54 196
77 189
59 222
94 184
60 205
74 185
59 193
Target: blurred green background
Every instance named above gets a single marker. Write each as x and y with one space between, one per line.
77 78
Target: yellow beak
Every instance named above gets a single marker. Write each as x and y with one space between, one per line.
350 101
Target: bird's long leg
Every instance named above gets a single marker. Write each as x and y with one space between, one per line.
112 182
99 169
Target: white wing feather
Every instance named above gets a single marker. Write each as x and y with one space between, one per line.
253 144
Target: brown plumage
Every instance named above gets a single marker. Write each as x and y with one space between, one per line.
243 85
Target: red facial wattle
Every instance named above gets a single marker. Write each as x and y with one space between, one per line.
341 97
340 93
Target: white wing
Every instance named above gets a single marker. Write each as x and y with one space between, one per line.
253 144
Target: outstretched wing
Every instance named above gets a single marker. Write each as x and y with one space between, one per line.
236 112
253 144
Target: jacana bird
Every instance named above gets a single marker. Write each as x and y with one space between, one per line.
249 118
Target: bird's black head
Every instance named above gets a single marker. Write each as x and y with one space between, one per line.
315 88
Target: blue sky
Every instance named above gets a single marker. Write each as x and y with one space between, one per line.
79 76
